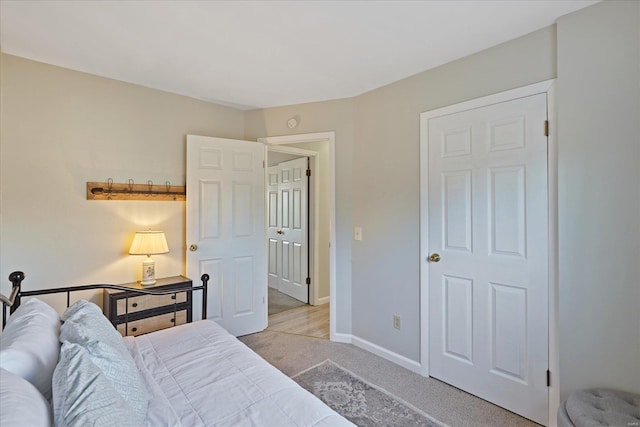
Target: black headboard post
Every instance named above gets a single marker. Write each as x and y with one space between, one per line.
16 279
205 282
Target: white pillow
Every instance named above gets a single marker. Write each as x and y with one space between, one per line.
85 325
29 344
22 403
83 396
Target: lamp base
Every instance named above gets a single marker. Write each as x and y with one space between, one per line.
148 272
143 283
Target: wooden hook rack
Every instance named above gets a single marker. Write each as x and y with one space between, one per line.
110 190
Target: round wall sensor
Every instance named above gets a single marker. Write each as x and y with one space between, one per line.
292 122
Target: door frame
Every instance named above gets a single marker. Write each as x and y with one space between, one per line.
547 87
275 143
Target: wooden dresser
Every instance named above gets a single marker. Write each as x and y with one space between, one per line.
135 314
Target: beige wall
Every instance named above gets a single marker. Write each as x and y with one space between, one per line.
274 157
62 128
599 196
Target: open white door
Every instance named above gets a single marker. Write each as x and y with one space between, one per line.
488 269
287 231
226 230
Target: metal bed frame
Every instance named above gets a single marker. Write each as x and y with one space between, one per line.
16 278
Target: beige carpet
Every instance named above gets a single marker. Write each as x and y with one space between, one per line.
293 354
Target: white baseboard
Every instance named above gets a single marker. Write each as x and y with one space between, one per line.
343 338
323 300
406 363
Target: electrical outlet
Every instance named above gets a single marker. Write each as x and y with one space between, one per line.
396 321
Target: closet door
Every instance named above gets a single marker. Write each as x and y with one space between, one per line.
488 266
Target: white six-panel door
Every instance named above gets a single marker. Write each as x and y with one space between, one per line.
287 228
488 222
274 214
226 230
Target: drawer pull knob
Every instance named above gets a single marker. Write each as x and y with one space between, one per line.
173 320
134 329
135 304
173 297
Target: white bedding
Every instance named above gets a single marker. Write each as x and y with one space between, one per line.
199 375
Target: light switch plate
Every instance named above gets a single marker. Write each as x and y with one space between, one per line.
357 233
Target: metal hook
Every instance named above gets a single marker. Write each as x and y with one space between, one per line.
131 182
150 184
168 185
109 188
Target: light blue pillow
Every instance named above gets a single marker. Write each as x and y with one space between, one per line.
86 326
83 396
29 344
22 404
94 324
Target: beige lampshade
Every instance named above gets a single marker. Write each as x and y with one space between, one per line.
149 243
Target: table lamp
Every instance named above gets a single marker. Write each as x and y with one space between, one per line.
149 243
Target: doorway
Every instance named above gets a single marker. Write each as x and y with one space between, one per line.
288 230
319 148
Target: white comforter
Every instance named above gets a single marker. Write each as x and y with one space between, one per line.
199 375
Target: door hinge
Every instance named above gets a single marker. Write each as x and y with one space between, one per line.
546 128
308 280
308 172
548 378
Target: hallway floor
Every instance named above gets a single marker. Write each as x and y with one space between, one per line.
307 320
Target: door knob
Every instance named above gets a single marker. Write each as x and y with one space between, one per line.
193 248
280 232
435 257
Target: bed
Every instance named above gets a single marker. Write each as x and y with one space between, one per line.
77 370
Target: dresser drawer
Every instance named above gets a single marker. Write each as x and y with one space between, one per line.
150 324
146 302
147 312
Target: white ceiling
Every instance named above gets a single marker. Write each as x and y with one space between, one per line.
253 54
